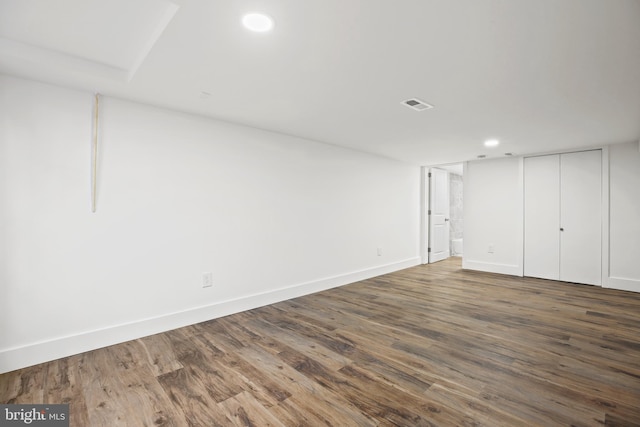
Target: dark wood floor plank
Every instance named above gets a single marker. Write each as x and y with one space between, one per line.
160 354
306 394
190 399
63 384
476 410
432 345
284 339
24 386
244 411
120 390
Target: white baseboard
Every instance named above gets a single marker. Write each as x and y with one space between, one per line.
489 267
622 284
44 351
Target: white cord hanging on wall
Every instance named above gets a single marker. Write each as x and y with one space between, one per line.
94 154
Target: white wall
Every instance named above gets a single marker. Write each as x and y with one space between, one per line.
493 216
272 216
624 216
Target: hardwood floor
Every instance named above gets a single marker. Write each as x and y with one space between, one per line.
427 346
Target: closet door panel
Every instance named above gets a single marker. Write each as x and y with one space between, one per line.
581 217
542 217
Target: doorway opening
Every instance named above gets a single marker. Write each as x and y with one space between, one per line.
443 206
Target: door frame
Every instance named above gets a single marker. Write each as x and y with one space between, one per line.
424 207
424 214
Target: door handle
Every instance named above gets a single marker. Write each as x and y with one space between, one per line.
446 219
561 229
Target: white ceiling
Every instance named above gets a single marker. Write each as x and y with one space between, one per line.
539 75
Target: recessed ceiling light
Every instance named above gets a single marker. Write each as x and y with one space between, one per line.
491 143
258 22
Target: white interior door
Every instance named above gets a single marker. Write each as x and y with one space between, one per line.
438 215
581 217
542 217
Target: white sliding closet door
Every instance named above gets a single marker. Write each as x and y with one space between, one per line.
581 217
542 217
563 216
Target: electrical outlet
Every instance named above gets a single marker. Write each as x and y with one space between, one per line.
207 280
379 251
490 249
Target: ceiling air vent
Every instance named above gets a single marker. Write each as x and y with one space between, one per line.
416 104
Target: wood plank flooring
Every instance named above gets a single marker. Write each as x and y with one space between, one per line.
427 346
